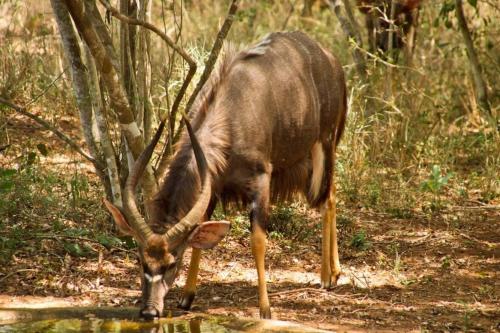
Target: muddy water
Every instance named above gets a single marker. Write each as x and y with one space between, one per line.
92 320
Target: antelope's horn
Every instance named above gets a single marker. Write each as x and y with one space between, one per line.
134 216
195 215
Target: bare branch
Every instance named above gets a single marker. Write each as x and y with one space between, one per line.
212 59
50 85
54 130
214 54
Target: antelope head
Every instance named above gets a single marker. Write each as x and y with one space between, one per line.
161 254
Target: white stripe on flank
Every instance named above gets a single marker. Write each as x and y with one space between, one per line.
318 165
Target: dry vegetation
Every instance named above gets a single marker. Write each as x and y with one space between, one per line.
419 186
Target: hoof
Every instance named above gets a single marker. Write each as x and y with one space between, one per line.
335 278
186 301
150 313
265 313
326 284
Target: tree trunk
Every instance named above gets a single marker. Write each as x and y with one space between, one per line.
144 71
102 127
480 86
80 82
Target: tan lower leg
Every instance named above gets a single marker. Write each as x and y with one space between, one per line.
334 251
326 249
192 276
258 243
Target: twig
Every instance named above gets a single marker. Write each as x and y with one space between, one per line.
214 54
58 133
2 148
492 207
46 88
292 9
82 239
18 271
489 244
300 290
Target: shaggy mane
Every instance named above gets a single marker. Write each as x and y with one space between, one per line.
182 181
211 87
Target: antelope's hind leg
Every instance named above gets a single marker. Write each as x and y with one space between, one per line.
258 218
330 263
334 249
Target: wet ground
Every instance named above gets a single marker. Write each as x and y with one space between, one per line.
124 320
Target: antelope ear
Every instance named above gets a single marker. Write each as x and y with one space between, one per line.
120 220
208 234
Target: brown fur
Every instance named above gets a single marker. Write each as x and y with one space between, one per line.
156 252
377 15
222 123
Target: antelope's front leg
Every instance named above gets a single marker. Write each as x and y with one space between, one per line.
258 217
190 286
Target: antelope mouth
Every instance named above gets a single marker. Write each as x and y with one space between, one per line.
150 312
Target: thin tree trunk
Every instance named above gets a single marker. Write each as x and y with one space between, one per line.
347 27
353 22
307 9
480 86
80 81
390 49
127 55
102 127
144 71
411 36
112 80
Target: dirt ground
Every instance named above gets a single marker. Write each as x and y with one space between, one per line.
444 280
436 273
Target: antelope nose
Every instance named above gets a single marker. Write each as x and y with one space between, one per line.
150 313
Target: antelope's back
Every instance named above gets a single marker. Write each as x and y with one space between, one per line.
283 94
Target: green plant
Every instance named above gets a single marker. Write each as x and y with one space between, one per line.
435 184
289 221
446 262
359 241
436 181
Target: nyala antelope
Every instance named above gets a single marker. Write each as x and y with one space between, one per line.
265 127
378 23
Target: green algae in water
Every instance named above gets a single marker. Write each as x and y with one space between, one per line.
194 325
115 326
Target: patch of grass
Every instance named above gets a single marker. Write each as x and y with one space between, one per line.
359 241
399 212
291 222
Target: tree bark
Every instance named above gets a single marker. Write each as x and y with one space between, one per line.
480 86
102 127
79 76
144 71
